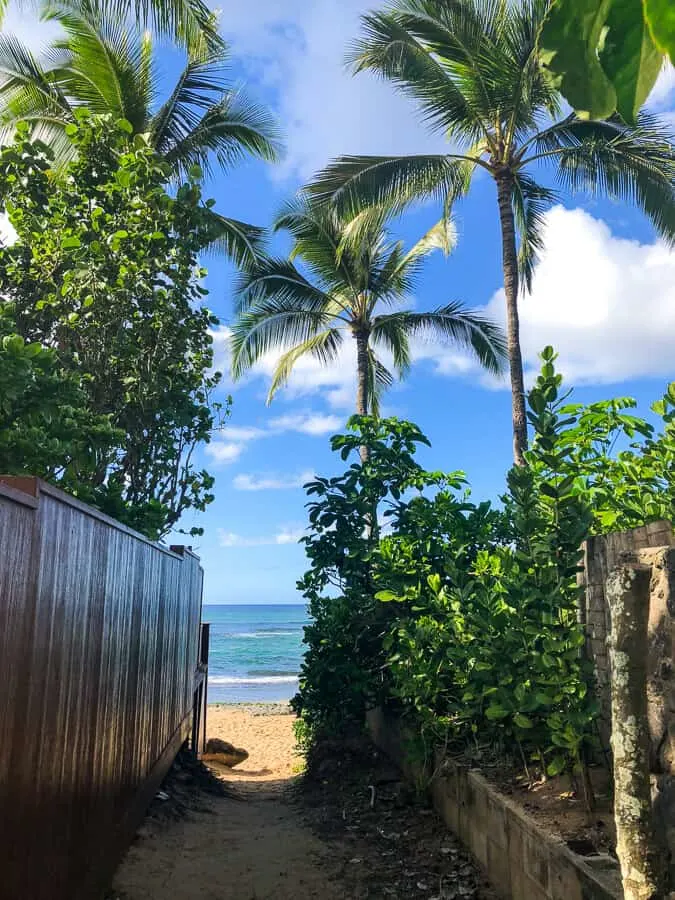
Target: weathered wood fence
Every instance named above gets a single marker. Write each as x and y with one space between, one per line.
99 645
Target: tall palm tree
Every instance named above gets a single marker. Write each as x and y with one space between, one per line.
356 281
473 67
112 69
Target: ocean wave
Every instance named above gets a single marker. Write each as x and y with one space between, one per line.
281 632
269 679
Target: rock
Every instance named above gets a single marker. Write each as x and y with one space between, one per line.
224 753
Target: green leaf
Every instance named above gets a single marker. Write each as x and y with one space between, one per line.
570 38
496 712
630 58
71 242
522 721
660 16
556 766
386 596
605 55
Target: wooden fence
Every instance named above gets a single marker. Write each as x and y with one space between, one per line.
99 646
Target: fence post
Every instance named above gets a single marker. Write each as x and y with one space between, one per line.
204 643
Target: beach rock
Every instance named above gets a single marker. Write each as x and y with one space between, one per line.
224 753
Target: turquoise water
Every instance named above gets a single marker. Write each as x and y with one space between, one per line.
255 652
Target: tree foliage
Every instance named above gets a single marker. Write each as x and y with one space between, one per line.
45 426
104 275
474 70
464 616
103 64
356 279
605 55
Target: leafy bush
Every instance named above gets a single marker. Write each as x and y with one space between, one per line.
342 669
104 273
462 615
44 425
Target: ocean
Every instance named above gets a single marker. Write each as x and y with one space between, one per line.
255 651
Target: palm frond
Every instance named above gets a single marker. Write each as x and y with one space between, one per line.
231 129
396 278
244 244
278 280
394 53
631 163
199 87
453 323
379 379
318 239
324 346
270 325
354 183
389 334
28 91
530 204
189 22
110 68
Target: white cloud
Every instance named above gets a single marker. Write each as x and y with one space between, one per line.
7 231
224 452
607 304
244 433
297 50
228 448
23 22
245 482
316 424
285 535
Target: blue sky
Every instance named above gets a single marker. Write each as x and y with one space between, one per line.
604 296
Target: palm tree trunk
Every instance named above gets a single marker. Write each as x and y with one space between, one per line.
361 338
510 266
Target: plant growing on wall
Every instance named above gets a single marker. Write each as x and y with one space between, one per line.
104 272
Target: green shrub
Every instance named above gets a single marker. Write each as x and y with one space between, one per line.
461 615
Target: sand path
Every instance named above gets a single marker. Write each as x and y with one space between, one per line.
257 849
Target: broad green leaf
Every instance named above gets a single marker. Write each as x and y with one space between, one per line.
660 15
494 713
570 39
386 596
556 766
523 721
605 55
630 58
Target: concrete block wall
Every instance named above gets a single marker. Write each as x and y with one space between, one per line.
521 859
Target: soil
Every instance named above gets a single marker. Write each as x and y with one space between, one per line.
557 805
264 833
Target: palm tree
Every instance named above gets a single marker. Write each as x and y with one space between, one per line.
473 67
353 276
190 23
111 69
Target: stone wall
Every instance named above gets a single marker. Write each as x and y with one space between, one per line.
601 555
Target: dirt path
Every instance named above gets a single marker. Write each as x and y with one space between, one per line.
252 834
255 847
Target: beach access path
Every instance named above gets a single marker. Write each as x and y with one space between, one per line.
265 839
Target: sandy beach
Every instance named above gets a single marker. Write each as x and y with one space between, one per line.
265 730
